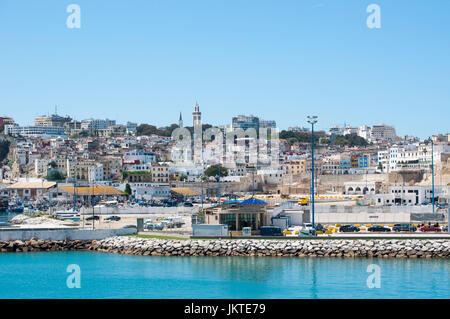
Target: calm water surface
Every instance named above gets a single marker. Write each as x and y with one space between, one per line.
104 275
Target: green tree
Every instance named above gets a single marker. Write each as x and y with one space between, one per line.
301 137
55 175
350 140
213 171
128 190
4 149
147 129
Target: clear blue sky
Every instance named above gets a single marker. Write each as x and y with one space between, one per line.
145 61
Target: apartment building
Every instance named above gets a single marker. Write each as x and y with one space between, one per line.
383 132
79 168
97 124
142 157
53 120
160 173
95 173
112 167
295 167
45 132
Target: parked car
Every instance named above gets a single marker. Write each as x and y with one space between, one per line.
320 227
271 231
154 226
430 228
113 218
93 218
378 228
187 204
348 229
404 227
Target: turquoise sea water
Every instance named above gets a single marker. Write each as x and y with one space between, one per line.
104 275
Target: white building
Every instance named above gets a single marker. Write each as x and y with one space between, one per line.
131 127
45 132
350 130
95 173
40 166
97 124
364 132
421 156
360 188
136 167
188 170
383 132
148 191
409 195
270 176
393 158
139 157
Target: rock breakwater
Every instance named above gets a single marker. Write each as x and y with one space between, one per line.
43 245
382 248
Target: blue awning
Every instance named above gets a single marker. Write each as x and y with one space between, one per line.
253 201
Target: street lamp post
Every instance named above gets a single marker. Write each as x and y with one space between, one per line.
201 178
432 172
312 120
219 186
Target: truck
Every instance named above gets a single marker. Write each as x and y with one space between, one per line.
303 201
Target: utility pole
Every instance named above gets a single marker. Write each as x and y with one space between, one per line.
92 203
312 120
219 185
201 177
432 172
253 182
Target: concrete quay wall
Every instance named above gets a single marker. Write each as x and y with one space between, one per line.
61 234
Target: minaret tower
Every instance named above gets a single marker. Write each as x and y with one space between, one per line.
180 121
197 123
196 115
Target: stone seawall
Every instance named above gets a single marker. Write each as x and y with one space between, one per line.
43 245
301 248
383 248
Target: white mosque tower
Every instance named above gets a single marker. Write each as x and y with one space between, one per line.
196 115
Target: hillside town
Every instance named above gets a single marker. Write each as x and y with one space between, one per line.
60 162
